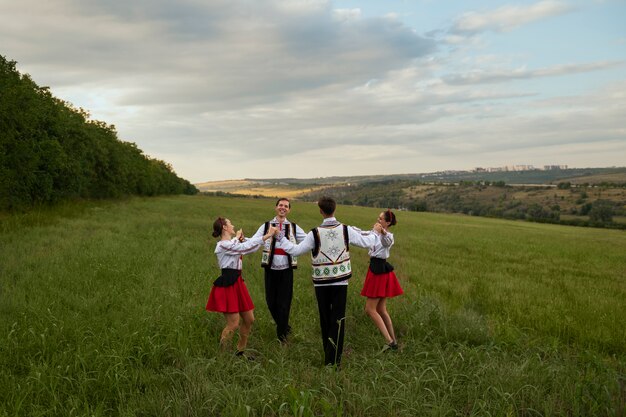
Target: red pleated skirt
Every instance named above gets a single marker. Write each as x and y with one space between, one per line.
231 299
381 285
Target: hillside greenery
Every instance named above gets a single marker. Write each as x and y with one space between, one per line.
578 196
612 177
51 151
102 314
580 205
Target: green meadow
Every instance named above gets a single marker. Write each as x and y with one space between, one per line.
102 314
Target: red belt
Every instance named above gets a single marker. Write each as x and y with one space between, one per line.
279 252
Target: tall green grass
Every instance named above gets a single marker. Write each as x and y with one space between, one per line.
102 313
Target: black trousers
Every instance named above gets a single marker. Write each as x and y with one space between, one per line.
331 302
278 295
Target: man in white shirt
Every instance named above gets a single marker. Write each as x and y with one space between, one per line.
329 244
279 267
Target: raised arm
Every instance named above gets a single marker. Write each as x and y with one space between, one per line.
386 239
235 247
360 238
307 245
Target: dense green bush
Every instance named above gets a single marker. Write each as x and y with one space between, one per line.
50 151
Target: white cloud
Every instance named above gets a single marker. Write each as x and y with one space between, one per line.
502 75
232 89
347 14
508 17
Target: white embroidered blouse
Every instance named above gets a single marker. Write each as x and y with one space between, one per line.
383 244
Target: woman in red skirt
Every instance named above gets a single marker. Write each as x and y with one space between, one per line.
381 282
229 294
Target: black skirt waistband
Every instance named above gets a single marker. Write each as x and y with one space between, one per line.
380 266
229 277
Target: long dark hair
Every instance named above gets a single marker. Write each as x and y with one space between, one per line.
218 226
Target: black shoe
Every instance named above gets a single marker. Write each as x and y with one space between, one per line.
389 346
283 338
244 355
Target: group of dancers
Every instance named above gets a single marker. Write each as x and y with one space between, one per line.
282 242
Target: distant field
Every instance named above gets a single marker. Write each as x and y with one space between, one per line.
224 185
266 189
102 314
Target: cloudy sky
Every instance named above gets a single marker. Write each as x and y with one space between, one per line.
228 89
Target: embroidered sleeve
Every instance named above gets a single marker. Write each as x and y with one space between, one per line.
386 240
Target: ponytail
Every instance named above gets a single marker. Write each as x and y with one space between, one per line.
218 226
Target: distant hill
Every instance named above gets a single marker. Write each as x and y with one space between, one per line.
616 176
294 187
586 197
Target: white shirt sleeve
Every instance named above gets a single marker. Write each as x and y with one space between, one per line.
386 239
300 234
360 238
235 247
307 245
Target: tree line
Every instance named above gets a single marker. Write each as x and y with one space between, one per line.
51 151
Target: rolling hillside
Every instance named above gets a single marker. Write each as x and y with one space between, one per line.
591 197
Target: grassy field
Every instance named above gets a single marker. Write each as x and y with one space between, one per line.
102 314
